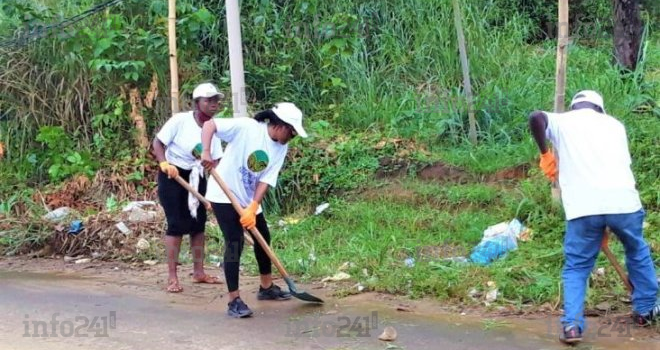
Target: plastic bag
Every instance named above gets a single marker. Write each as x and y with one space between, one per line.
497 241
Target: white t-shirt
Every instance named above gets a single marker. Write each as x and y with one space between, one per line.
593 163
251 156
181 135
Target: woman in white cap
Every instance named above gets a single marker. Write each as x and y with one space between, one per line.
254 155
173 147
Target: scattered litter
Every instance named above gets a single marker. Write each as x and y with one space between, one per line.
365 272
321 208
116 268
281 223
410 262
457 259
140 215
96 255
121 226
150 262
359 287
389 334
83 261
57 214
600 271
339 276
491 295
497 241
68 259
404 308
142 244
75 227
474 294
139 205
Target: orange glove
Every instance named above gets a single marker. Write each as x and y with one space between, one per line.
169 169
2 150
249 217
548 164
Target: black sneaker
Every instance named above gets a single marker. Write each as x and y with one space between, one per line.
238 309
273 293
648 318
570 335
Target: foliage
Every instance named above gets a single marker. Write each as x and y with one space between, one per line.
381 86
59 154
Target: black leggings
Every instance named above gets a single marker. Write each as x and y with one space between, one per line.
232 230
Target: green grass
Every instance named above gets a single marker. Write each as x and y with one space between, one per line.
390 70
429 222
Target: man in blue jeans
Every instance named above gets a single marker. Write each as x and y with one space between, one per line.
597 191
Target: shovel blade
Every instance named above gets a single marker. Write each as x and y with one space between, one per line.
307 297
304 296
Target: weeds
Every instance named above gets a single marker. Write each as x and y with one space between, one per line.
380 85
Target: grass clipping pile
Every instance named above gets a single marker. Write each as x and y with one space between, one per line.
90 229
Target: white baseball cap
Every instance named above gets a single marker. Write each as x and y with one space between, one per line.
290 114
206 90
589 96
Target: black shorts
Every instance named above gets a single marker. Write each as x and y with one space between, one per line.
174 199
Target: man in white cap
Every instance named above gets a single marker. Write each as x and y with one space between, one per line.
255 152
597 191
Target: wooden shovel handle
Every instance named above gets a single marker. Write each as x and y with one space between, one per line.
206 203
255 231
604 246
194 192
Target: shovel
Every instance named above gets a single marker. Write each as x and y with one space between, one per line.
604 246
292 286
204 201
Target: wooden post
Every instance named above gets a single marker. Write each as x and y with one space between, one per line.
466 71
560 79
174 70
238 98
562 56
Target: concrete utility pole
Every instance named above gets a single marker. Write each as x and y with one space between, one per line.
238 98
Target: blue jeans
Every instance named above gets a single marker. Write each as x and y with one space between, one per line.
581 246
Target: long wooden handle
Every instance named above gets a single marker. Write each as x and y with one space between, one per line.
194 192
619 270
206 203
255 231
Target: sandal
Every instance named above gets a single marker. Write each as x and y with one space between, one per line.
174 287
207 279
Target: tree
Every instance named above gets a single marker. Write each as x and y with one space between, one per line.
627 32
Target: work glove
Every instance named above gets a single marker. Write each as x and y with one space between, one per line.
548 164
169 169
249 217
2 150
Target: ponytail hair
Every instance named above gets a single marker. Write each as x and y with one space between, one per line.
268 116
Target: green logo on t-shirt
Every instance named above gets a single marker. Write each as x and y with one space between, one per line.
257 161
197 151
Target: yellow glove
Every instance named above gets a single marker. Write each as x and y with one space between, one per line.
249 217
169 169
548 164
